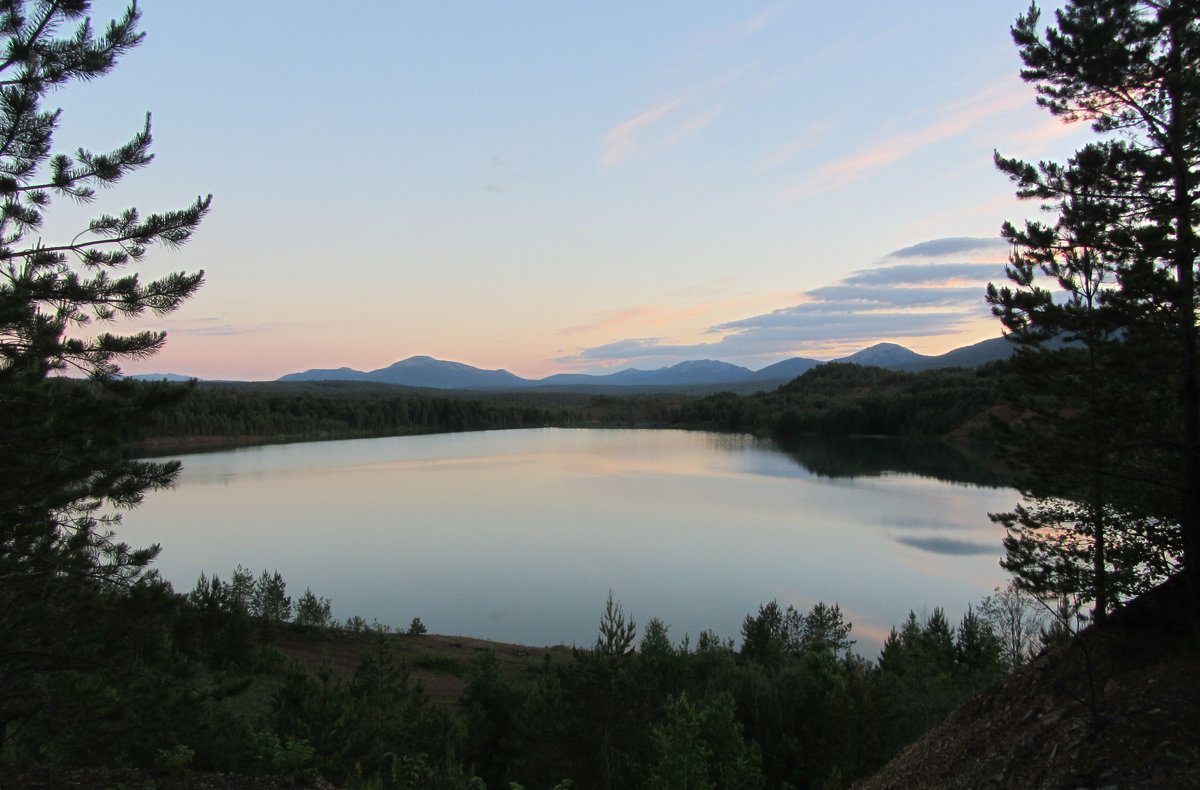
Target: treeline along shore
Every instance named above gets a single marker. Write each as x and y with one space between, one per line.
832 399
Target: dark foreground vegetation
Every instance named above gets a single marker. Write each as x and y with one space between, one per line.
104 668
236 678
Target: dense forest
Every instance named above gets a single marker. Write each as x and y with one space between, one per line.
836 398
181 684
232 414
848 399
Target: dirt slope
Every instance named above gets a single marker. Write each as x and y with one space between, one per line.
1132 721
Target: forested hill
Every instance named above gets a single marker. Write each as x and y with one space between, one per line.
834 399
850 399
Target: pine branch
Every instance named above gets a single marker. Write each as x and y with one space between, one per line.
172 229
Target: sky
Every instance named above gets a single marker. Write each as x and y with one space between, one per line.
548 187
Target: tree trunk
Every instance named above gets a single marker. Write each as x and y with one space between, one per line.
1184 265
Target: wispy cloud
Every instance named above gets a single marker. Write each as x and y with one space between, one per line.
757 342
927 297
952 120
612 319
668 312
927 275
693 125
892 296
660 123
1034 137
850 320
206 326
676 117
954 245
742 28
620 139
215 330
630 348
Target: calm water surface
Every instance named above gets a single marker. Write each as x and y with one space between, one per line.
518 535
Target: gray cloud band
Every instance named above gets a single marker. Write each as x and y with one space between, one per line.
902 300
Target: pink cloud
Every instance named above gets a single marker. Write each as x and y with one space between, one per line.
620 139
611 319
1035 137
693 125
741 29
660 315
955 119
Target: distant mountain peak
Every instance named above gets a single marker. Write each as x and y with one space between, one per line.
419 360
883 355
696 364
176 377
426 371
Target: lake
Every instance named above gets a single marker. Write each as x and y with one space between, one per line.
518 536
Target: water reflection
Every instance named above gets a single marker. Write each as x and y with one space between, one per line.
518 535
856 456
949 546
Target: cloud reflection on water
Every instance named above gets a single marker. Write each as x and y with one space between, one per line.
518 535
949 546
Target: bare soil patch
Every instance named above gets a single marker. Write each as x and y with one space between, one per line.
1118 707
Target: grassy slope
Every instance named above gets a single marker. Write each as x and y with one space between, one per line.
442 663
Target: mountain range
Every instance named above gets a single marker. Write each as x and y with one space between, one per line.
424 371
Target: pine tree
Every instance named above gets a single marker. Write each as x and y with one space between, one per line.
62 437
617 634
1111 449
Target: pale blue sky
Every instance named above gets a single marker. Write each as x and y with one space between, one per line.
570 186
